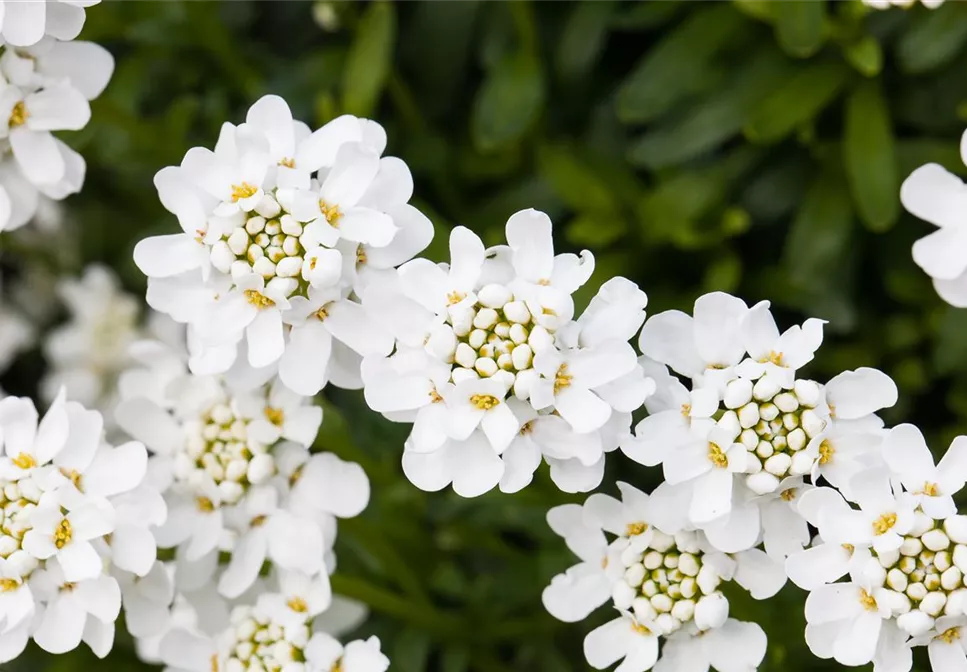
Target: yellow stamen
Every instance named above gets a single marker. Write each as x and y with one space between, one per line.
24 461
243 190
435 397
258 521
949 636
826 452
332 213
773 357
322 313
258 299
884 523
562 380
686 409
18 117
634 529
789 495
454 298
63 534
867 600
640 629
205 504
73 476
275 415
850 548
214 662
297 604
8 585
288 163
929 489
717 456
527 428
296 475
484 401
360 255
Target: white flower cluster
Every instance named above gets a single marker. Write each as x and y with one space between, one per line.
241 490
46 82
896 536
664 586
495 372
905 4
284 230
75 514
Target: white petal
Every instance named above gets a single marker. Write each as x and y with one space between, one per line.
941 254
669 338
736 532
57 108
80 561
266 341
529 236
608 643
370 227
571 597
295 543
350 323
759 331
475 466
23 24
602 364
501 426
133 549
62 625
736 646
759 574
582 409
247 558
100 597
466 258
819 565
88 66
907 455
953 291
271 115
712 497
37 154
304 365
835 602
333 485
351 175
935 195
165 256
117 470
148 423
718 328
429 471
856 644
947 657
855 394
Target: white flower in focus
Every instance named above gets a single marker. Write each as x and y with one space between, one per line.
905 4
324 653
844 621
277 223
908 457
732 647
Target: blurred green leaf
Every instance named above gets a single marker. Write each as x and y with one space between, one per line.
583 38
796 101
870 158
800 26
820 233
595 230
368 63
671 70
716 120
933 39
575 183
509 102
865 55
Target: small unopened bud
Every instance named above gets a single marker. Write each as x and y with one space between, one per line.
935 540
956 528
778 464
738 393
762 483
896 579
711 611
749 415
933 603
786 402
765 389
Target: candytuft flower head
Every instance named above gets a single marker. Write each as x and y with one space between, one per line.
494 370
68 502
279 225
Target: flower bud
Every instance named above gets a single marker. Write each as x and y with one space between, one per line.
238 242
933 603
786 402
255 225
643 609
260 468
264 267
796 439
811 422
896 579
915 623
623 595
222 256
778 464
290 226
289 267
711 611
935 540
738 393
765 388
494 296
802 464
653 560
708 580
516 311
916 591
635 574
662 603
485 366
660 541
683 610
888 558
485 318
956 603
523 383
956 528
730 423
951 579
762 483
911 546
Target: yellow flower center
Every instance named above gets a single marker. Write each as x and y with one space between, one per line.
826 452
435 397
275 415
24 461
297 604
453 298
321 314
634 529
717 456
63 534
332 213
640 629
849 548
686 409
773 357
258 521
789 495
205 504
360 255
214 662
243 190
884 523
949 636
288 163
484 401
867 600
930 489
8 585
18 117
258 299
562 380
73 476
526 428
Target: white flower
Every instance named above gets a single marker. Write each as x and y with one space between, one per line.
325 654
277 224
886 4
26 23
733 647
937 196
146 600
488 350
620 638
773 355
87 354
908 457
845 621
948 648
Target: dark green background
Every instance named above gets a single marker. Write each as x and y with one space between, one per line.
750 147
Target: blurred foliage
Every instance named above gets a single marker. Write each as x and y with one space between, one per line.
753 147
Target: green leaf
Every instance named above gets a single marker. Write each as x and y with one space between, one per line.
800 26
508 103
865 55
796 101
583 38
869 156
595 230
369 59
675 68
720 117
821 231
575 183
933 40
411 651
